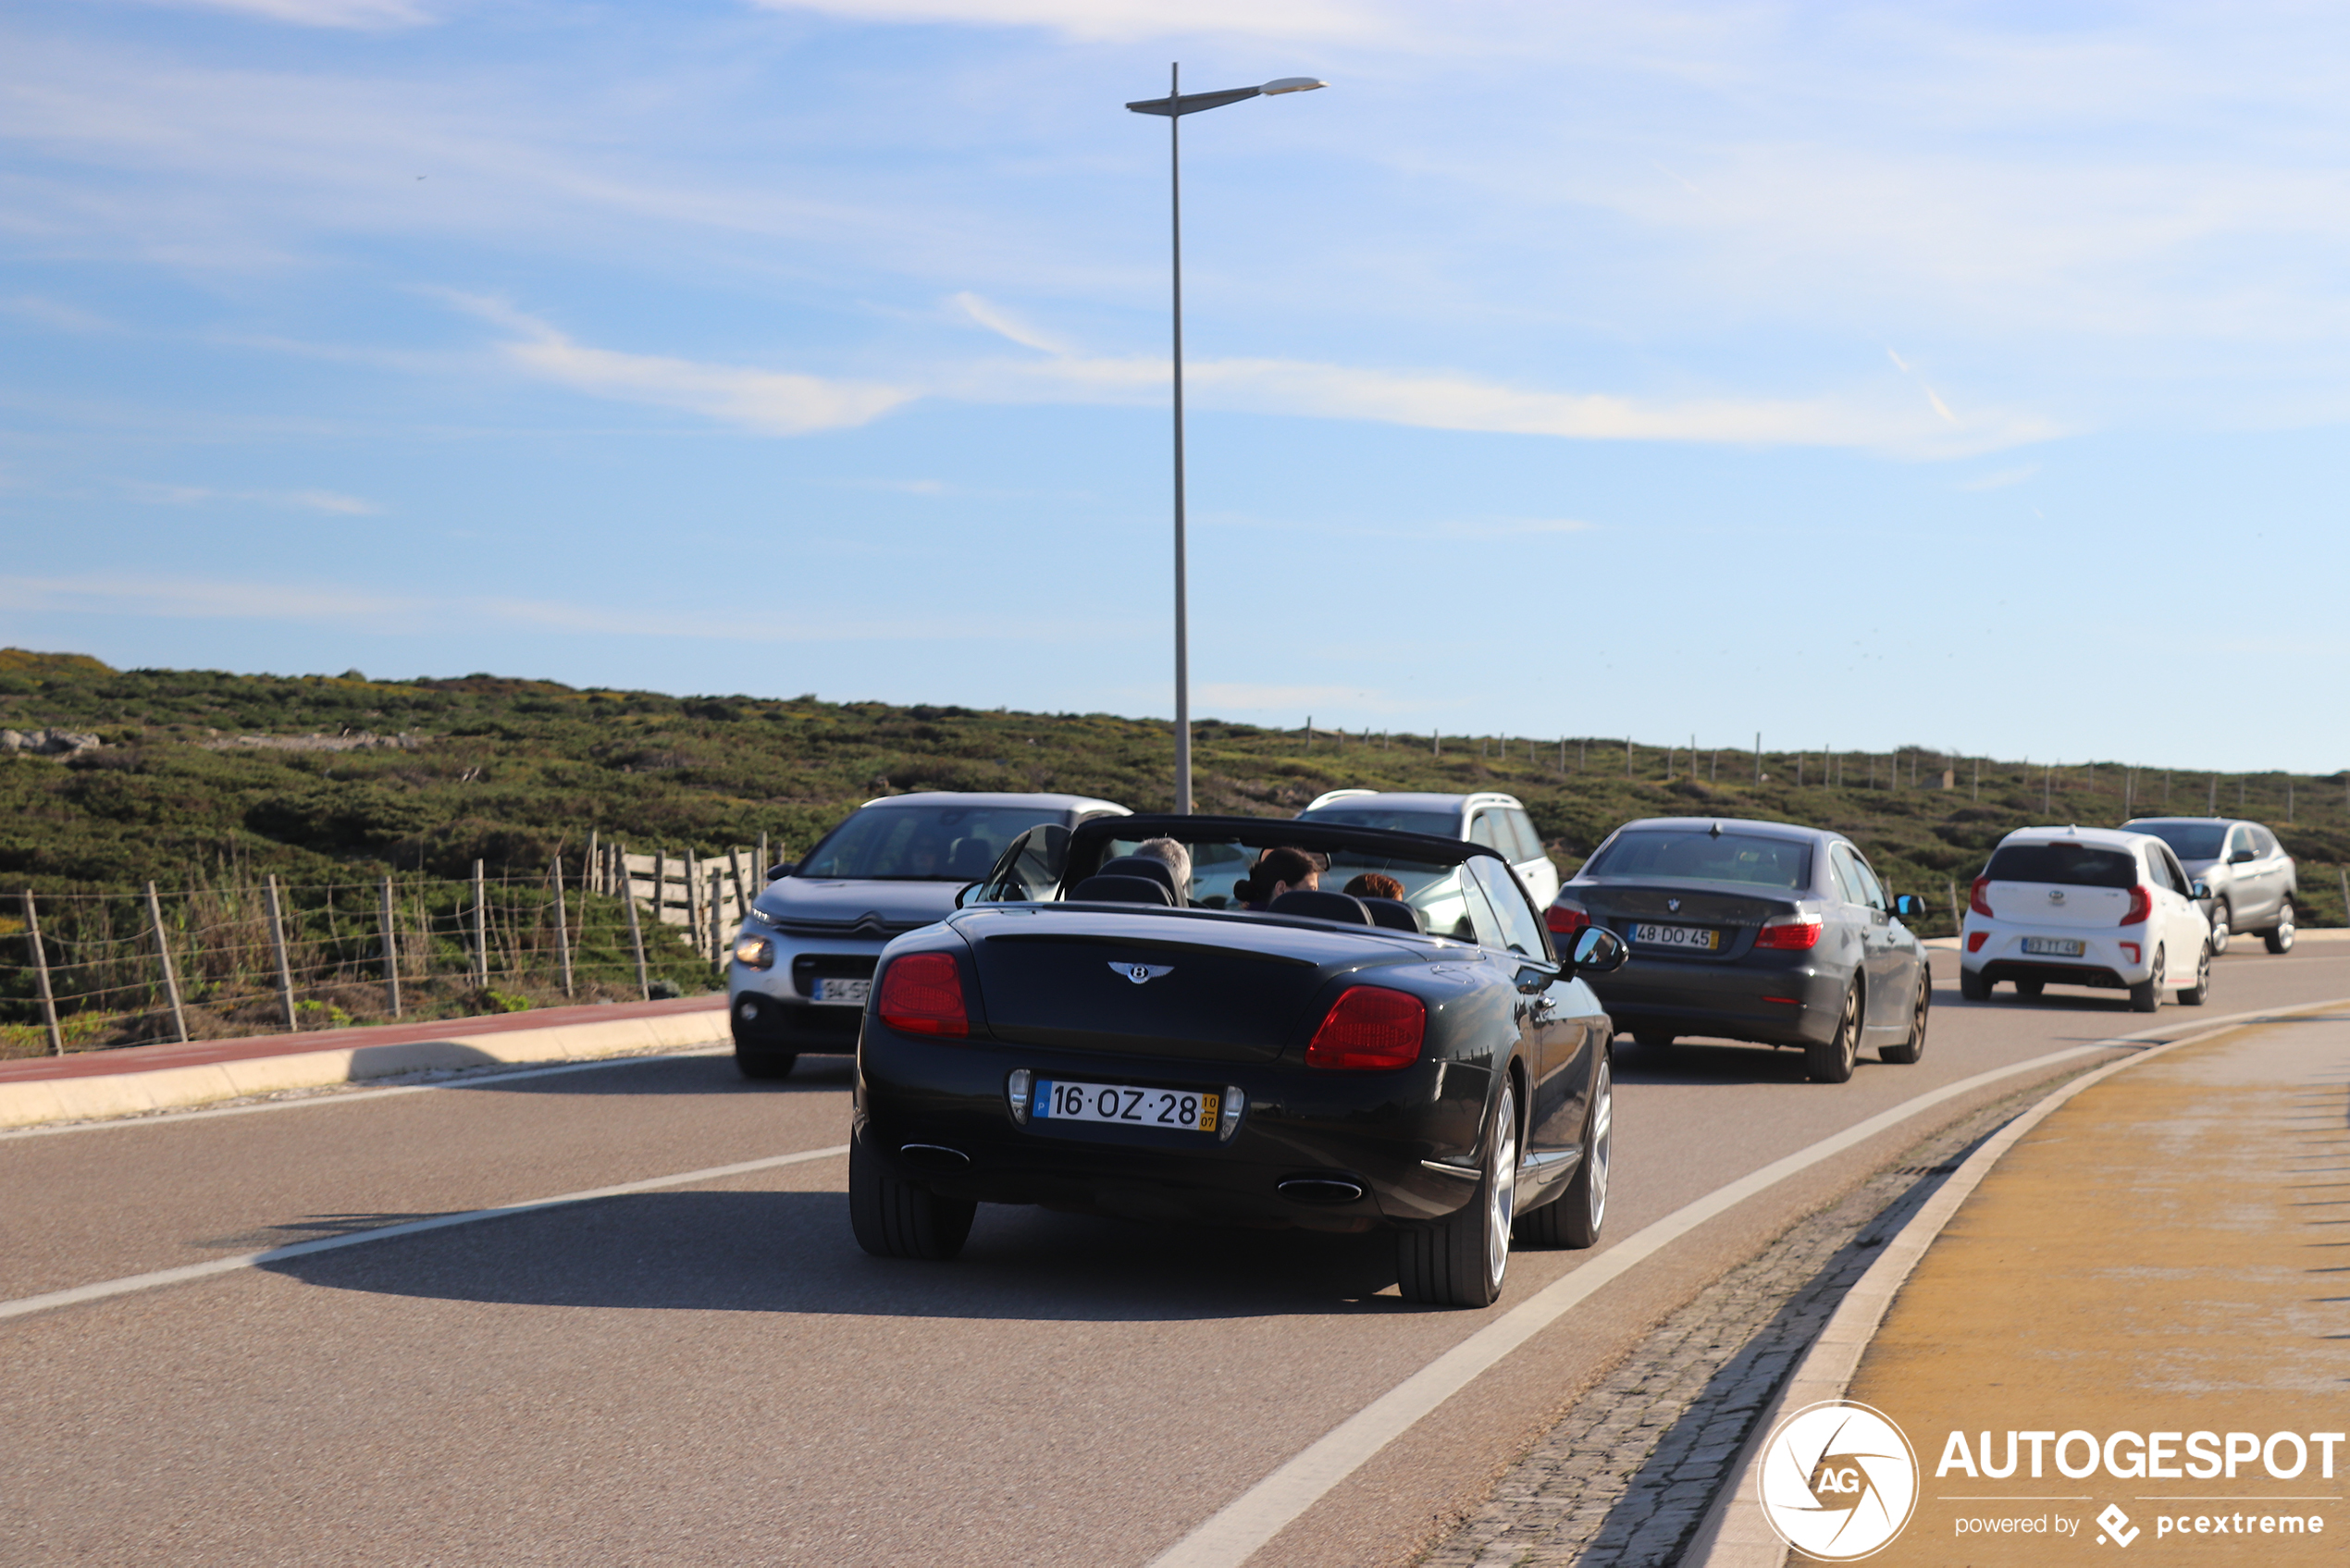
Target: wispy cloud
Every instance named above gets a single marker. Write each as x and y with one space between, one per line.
779 403
364 15
56 315
792 404
1127 21
331 502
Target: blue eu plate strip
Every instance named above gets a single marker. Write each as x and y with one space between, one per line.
1044 1102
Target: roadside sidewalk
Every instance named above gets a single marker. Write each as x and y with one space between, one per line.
94 1084
2161 1267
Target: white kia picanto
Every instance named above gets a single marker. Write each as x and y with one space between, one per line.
2086 906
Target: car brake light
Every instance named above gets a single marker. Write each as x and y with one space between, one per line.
1369 1029
2141 905
2130 950
1793 933
1975 941
923 994
1976 899
1565 918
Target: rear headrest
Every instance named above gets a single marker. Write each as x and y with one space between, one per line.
1123 890
1321 905
1140 865
1394 914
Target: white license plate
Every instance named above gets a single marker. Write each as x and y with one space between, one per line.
2056 946
844 992
1696 938
1128 1106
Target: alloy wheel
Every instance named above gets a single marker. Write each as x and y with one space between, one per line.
1501 1190
1603 1140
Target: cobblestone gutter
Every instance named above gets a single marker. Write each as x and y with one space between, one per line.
1626 1476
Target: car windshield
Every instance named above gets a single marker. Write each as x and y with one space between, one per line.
1219 866
2072 865
922 843
2189 841
1443 824
1695 855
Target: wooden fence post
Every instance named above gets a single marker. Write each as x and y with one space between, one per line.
717 920
742 884
1758 757
391 951
763 861
41 971
635 930
693 900
1956 920
162 956
285 970
588 867
563 924
481 929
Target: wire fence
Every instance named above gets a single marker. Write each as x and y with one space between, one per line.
242 955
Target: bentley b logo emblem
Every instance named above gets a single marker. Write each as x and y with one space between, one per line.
1141 974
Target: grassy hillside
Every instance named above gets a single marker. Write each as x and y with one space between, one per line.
512 771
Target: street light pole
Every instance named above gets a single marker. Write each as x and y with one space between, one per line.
1175 106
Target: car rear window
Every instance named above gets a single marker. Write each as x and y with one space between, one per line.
1677 855
2189 841
2072 865
1443 824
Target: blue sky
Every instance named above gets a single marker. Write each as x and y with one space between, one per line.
1971 377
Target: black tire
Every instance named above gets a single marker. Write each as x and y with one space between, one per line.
2280 937
2200 992
2147 997
1460 1260
1653 1039
2221 926
1574 1219
763 1064
1909 1050
1973 987
1831 1062
902 1220
2030 989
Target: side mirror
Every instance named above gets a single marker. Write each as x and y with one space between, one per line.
776 872
2242 858
1909 906
967 894
2198 890
1600 951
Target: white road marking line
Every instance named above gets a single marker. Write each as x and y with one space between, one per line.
1234 1534
327 1094
162 1277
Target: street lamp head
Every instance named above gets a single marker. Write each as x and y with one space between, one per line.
1291 84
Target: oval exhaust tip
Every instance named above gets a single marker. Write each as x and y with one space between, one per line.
1320 1189
938 1156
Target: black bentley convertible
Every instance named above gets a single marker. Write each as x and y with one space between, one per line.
1093 1031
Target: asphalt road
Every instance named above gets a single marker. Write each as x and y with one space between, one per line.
713 1373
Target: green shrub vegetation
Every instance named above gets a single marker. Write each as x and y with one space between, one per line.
515 773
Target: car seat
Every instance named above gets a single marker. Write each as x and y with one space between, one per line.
1321 905
1123 890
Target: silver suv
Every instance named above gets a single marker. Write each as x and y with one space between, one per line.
2253 881
803 960
1498 822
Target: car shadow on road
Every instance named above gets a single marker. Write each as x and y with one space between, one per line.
668 1074
792 1252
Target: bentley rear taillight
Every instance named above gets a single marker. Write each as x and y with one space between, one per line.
923 994
1369 1029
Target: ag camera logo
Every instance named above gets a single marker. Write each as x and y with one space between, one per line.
1839 1480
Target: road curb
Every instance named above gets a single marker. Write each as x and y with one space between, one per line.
1742 1539
102 1097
